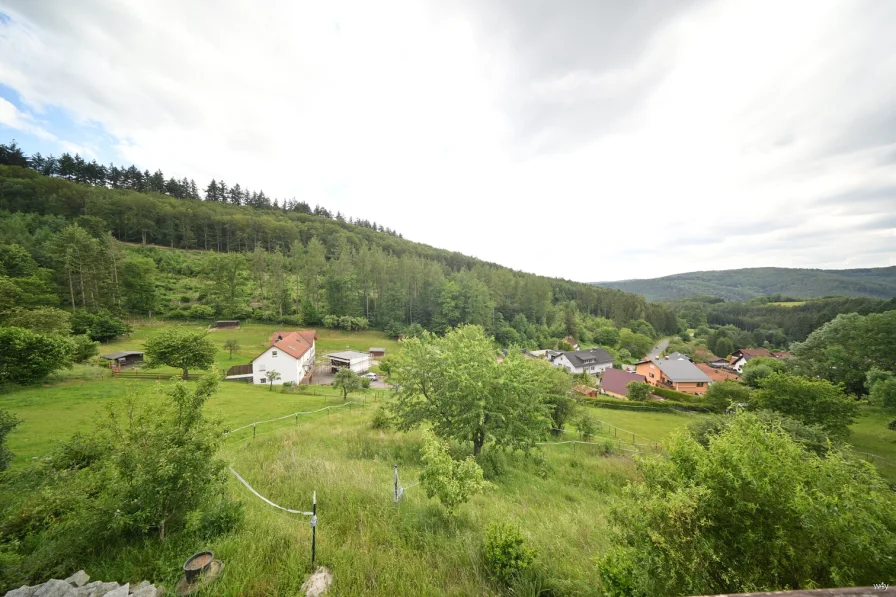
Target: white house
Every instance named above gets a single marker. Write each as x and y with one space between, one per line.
291 354
593 361
359 362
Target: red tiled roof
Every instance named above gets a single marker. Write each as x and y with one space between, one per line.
717 374
754 352
616 380
295 344
782 355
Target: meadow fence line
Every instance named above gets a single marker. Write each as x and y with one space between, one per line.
291 415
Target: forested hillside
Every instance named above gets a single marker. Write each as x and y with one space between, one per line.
215 259
744 284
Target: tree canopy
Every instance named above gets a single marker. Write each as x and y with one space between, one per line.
811 401
182 348
456 384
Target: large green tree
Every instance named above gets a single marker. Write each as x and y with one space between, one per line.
456 384
138 283
347 381
846 348
182 348
811 401
28 357
750 511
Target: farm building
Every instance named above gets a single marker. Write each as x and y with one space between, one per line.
226 324
359 362
291 354
377 352
125 358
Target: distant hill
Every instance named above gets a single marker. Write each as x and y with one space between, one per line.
744 284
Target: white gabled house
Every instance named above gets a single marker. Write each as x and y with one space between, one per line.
291 354
593 361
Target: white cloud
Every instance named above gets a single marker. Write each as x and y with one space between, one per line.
706 144
15 119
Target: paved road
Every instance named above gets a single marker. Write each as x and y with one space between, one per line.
659 348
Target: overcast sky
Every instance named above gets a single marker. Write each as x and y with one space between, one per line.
582 139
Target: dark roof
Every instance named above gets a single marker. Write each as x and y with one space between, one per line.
681 371
114 356
581 358
377 349
677 356
617 380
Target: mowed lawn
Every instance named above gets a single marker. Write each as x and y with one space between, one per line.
254 338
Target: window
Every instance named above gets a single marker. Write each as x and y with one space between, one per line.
262 368
274 354
263 380
651 374
699 384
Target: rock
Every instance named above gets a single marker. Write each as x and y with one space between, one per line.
23 591
318 583
121 591
78 579
146 590
96 589
144 583
54 588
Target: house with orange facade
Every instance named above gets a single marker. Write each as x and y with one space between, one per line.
675 374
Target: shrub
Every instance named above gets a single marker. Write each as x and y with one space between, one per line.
721 395
751 511
453 482
506 554
83 348
43 320
892 425
365 383
201 312
380 419
812 401
587 426
27 357
638 391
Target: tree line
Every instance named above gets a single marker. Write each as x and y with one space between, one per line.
287 266
77 169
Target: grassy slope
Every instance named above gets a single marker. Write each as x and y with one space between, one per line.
744 284
870 434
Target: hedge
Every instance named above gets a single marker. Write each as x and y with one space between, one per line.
677 396
665 406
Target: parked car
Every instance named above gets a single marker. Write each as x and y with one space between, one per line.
371 376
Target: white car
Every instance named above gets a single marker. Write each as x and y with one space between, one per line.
371 376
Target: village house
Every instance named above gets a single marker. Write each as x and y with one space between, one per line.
572 342
614 382
740 357
674 374
592 361
291 354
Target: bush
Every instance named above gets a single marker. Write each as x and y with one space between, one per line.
453 482
380 419
506 554
751 511
148 471
200 312
102 326
27 357
587 426
723 394
639 392
812 401
83 348
365 383
678 396
892 425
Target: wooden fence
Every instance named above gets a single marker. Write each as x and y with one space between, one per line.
153 375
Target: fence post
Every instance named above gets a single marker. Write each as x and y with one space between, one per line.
313 527
297 419
253 430
395 484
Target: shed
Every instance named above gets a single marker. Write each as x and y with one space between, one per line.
585 391
226 324
376 351
125 357
359 362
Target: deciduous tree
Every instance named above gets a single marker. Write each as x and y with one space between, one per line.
182 348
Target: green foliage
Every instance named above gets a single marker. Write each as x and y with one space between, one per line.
83 348
231 345
751 511
148 471
7 423
182 348
16 261
606 336
892 425
138 284
722 347
506 554
452 482
586 426
881 387
347 381
845 349
43 320
721 395
27 357
272 375
365 383
101 326
345 322
380 419
637 344
811 437
811 401
639 391
456 384
755 370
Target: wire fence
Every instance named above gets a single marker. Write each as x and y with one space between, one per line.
295 415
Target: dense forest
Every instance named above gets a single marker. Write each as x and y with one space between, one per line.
745 284
216 259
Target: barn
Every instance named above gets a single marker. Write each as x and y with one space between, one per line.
226 324
125 358
377 352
